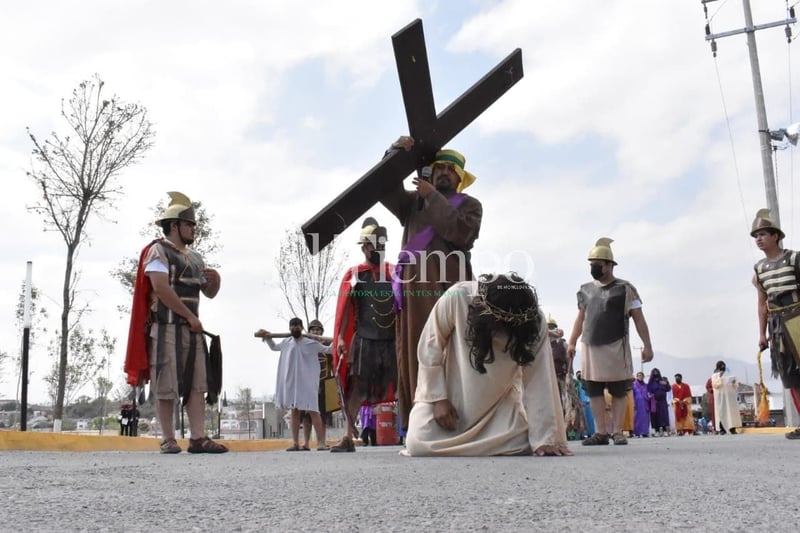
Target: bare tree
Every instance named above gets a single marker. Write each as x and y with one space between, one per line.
76 177
308 281
206 243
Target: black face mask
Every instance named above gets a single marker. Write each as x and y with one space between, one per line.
375 257
597 271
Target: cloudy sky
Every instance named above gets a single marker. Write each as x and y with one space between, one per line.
623 126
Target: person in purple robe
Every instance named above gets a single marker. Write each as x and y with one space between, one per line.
659 408
641 407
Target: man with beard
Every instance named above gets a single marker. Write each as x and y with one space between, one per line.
604 307
682 401
440 227
166 343
364 348
487 382
777 279
297 387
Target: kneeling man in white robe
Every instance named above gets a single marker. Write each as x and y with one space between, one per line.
486 382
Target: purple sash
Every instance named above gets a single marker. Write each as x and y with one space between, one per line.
415 244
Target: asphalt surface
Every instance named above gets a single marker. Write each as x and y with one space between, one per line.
701 483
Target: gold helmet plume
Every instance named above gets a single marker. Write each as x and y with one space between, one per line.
179 208
602 250
764 220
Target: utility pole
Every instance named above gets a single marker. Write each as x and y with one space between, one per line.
758 92
791 416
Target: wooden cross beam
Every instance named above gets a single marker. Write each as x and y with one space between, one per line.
430 131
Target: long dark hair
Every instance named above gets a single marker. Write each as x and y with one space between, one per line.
504 304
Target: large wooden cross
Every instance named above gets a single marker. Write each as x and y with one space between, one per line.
429 130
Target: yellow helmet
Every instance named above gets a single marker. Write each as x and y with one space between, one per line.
179 208
372 232
551 321
602 250
763 220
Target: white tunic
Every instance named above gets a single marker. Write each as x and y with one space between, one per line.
298 373
510 410
726 410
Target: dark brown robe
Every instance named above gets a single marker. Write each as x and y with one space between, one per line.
456 231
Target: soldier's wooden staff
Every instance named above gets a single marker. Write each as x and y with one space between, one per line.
264 335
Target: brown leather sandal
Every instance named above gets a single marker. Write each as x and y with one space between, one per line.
169 446
205 445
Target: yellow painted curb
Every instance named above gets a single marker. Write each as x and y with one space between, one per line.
764 431
68 442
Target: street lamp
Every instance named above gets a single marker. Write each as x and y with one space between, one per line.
791 134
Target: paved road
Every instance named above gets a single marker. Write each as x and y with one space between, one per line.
702 483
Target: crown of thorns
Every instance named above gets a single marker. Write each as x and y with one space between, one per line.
502 315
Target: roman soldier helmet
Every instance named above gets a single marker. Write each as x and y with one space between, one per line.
763 220
602 250
315 324
372 233
179 208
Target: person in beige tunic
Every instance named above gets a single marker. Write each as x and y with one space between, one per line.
486 383
604 307
726 409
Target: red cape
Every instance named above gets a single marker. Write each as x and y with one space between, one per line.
137 365
345 308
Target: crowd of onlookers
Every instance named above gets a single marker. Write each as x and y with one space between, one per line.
658 408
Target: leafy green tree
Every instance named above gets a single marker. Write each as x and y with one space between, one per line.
84 364
76 175
82 407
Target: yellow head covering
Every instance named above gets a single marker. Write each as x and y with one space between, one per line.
451 156
602 250
179 208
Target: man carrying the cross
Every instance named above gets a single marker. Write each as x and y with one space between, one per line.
440 226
